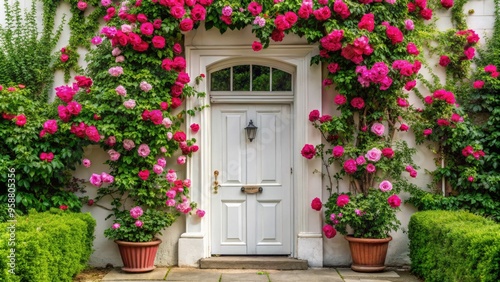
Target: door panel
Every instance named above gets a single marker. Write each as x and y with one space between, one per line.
258 223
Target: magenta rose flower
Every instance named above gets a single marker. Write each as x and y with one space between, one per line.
139 223
256 46
350 166
388 152
358 103
308 151
115 226
50 126
144 174
195 127
158 42
181 160
86 163
427 131
329 231
171 176
444 61
316 204
342 200
200 213
360 160
186 25
370 168
107 178
340 99
394 201
338 151
314 115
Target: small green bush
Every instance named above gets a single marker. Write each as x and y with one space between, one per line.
454 246
49 246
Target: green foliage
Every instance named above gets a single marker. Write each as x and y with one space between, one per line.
25 52
454 246
49 246
39 184
474 181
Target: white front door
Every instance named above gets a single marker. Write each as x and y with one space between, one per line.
245 223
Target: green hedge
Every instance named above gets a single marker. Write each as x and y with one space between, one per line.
454 246
49 246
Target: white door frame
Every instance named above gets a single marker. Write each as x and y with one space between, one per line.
307 238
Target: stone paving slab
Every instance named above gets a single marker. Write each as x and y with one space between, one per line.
259 275
347 272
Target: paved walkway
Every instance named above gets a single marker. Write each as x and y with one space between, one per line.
251 275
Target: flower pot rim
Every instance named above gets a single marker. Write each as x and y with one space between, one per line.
374 240
155 241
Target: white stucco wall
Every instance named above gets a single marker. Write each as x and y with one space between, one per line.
335 251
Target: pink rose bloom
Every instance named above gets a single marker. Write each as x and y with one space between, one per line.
410 85
143 150
96 180
129 104
195 127
470 178
370 168
119 59
115 225
145 86
374 155
350 166
81 5
409 25
478 84
170 202
338 151
227 11
171 193
254 8
128 144
86 163
143 174
358 103
115 71
329 231
360 160
96 40
136 212
111 141
116 51
358 212
316 204
469 53
158 169
385 186
120 90
169 135
139 223
427 131
180 136
187 182
394 201
171 176
166 122
107 178
342 200
126 28
308 151
20 120
378 129
200 213
181 160
113 155
161 162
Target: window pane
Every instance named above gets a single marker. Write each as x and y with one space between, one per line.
220 80
241 78
282 81
261 79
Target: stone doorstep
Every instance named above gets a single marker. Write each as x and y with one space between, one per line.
253 262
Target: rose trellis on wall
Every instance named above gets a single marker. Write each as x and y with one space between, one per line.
130 101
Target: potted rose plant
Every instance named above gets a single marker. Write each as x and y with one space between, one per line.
130 104
373 63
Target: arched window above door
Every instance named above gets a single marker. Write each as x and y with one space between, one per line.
251 77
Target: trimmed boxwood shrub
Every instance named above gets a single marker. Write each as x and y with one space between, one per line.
454 246
49 246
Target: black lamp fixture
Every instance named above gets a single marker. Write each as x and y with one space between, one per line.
251 131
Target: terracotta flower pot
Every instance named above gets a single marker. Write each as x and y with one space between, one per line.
368 255
138 256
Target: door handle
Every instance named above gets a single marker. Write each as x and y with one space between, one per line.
216 183
251 189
